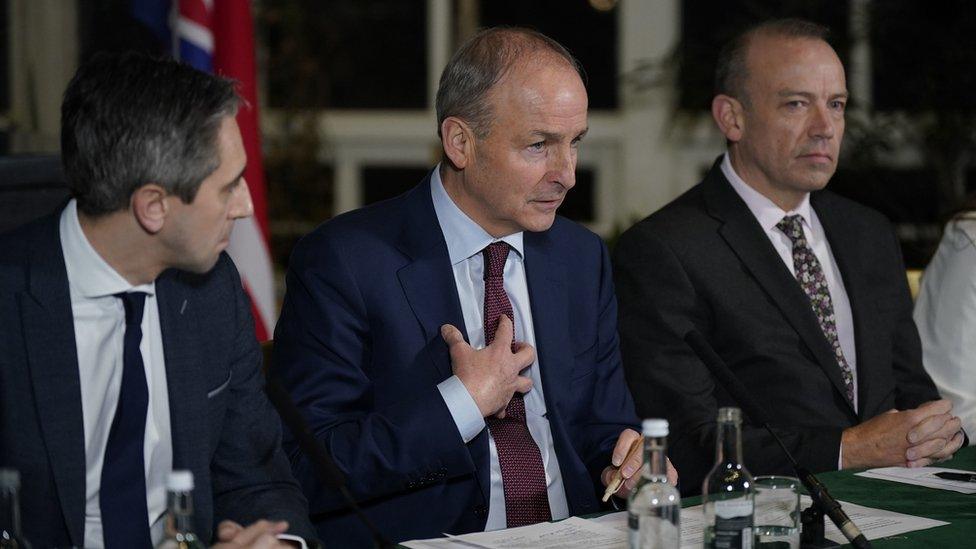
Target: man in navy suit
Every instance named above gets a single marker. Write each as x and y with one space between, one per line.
127 348
397 340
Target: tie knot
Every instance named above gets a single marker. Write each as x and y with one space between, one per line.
495 255
792 227
134 303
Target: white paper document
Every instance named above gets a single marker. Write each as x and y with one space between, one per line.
874 523
572 533
692 525
922 476
610 531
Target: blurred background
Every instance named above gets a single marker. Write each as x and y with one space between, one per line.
345 99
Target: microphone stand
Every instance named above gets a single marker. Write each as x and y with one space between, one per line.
823 502
322 463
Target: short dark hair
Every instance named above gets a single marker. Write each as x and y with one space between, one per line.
731 71
130 119
480 63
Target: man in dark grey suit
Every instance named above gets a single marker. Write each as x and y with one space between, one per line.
801 292
127 348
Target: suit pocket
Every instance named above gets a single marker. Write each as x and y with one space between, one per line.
222 387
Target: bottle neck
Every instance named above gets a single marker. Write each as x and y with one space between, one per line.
728 445
656 458
180 512
9 511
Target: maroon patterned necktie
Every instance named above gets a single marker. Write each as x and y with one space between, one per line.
811 278
523 476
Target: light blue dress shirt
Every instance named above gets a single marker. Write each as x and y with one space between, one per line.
465 241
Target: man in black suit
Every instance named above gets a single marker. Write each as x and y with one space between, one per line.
127 347
801 292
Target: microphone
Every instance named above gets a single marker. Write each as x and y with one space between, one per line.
818 492
322 463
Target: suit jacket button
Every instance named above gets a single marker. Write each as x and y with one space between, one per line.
480 511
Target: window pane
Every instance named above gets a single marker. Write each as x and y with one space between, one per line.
346 54
589 34
706 25
923 56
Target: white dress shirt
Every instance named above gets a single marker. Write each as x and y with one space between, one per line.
99 324
945 312
769 214
465 241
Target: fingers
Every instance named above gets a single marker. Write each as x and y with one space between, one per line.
931 426
672 474
622 448
955 443
925 449
505 332
936 407
451 335
632 457
950 448
227 530
924 462
259 534
523 384
524 354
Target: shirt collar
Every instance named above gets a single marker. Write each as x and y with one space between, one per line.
464 237
765 210
89 275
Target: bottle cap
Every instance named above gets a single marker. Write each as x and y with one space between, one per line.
10 478
655 427
180 481
730 414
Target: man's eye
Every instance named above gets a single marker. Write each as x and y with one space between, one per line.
838 105
537 146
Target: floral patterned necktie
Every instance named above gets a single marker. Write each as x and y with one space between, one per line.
811 278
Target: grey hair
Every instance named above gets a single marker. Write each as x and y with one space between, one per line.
482 62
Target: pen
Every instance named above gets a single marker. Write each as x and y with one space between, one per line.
618 478
962 477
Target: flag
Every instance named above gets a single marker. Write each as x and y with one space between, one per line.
218 36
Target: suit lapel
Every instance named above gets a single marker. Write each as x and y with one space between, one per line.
52 357
751 244
428 279
179 321
546 280
845 251
429 287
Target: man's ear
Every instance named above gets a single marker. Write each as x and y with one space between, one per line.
457 139
728 114
150 207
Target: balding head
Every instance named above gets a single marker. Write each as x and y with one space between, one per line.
482 62
732 70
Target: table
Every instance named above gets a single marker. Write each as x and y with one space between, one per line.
959 510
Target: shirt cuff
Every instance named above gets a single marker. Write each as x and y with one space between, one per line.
840 457
463 409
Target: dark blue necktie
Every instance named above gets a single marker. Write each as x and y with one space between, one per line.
122 494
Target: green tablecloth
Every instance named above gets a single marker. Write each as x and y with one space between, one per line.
957 509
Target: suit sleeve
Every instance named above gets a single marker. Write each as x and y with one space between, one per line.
658 306
323 356
913 384
612 405
251 476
